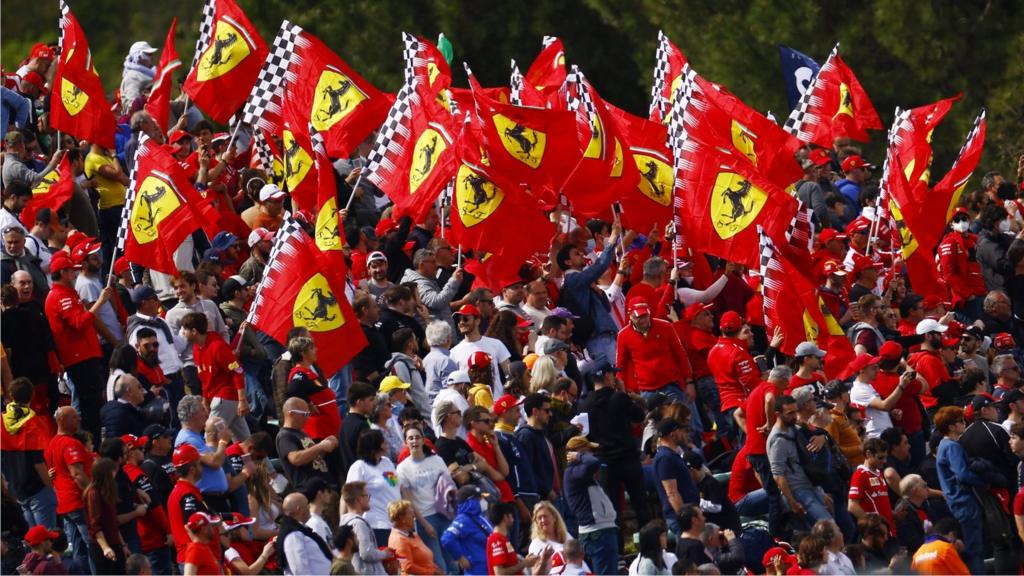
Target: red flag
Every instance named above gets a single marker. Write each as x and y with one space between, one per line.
327 225
912 142
78 104
547 73
302 288
669 62
52 192
946 194
425 66
327 93
163 209
918 256
229 54
299 173
647 203
834 106
463 97
159 102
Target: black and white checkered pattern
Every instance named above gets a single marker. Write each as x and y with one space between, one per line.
414 54
205 30
263 106
284 242
801 120
515 84
975 130
661 68
393 136
772 276
685 96
262 150
549 40
800 232
62 22
883 183
129 202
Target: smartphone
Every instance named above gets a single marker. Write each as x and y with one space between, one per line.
762 363
913 374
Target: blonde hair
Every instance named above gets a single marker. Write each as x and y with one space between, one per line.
398 509
561 533
543 374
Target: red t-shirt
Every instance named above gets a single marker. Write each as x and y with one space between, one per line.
500 552
868 488
929 364
911 419
308 385
742 479
756 441
60 454
1018 503
734 370
219 370
818 379
487 452
200 556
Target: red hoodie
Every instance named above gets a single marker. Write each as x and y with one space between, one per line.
219 370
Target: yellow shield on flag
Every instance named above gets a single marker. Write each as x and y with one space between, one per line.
316 308
476 198
810 327
432 72
671 98
327 236
524 144
335 97
228 49
907 238
429 147
595 148
845 101
742 141
617 164
735 203
155 201
72 96
297 162
656 178
954 201
43 187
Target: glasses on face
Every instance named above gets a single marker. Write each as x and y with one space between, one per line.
300 412
485 421
464 319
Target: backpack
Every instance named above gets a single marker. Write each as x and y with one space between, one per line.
444 496
817 465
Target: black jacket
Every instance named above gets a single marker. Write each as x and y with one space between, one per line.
373 357
612 417
120 418
989 441
29 341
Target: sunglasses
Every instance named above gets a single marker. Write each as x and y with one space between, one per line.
486 421
300 412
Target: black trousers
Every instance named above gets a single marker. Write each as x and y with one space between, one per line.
104 566
88 379
626 473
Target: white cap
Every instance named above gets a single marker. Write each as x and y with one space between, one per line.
457 377
271 191
141 46
259 234
930 325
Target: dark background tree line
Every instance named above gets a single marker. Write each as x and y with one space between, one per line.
905 52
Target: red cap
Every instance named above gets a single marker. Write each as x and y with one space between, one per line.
504 403
834 267
133 441
479 359
184 454
384 226
468 310
200 520
40 50
862 263
83 250
638 306
860 225
787 558
855 161
829 234
34 79
178 136
77 237
37 534
61 261
891 350
236 520
694 309
121 265
730 321
511 282
1001 340
960 210
863 361
819 157
932 302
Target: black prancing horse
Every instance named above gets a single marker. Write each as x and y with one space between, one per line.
518 133
320 311
219 44
740 203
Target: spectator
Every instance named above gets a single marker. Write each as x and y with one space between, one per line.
501 555
468 320
306 382
434 296
72 469
734 370
415 557
107 551
377 284
650 355
406 365
122 414
675 487
17 258
368 365
591 506
956 479
318 495
208 435
940 555
16 168
869 493
419 477
220 374
25 438
437 364
378 472
597 330
400 306
29 348
537 448
42 559
836 562
356 502
880 411
170 345
300 550
361 397
301 457
912 510
260 241
346 543
801 496
465 539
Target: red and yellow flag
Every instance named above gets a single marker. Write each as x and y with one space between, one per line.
52 192
159 102
647 201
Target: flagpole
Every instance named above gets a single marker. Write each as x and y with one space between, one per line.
234 133
352 196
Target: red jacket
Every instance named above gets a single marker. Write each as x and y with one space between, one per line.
929 364
651 361
697 343
960 267
72 325
219 370
183 501
734 370
154 526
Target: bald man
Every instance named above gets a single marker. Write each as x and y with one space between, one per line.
300 550
71 464
301 457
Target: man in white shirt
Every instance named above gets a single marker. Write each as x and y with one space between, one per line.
468 320
172 345
300 549
319 495
879 411
537 299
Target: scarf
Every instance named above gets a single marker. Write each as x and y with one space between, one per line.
131 62
16 416
289 525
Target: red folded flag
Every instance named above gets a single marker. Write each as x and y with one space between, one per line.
229 54
301 288
425 66
78 103
52 192
299 173
834 106
547 72
327 224
947 192
159 102
919 257
163 209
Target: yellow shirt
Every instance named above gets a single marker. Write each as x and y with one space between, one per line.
480 395
112 192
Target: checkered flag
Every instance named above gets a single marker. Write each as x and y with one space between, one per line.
392 138
205 30
263 107
773 276
800 233
413 53
261 149
661 67
972 135
129 203
283 243
549 40
63 21
684 97
802 121
516 85
883 183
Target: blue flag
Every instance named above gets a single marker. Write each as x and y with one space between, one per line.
798 69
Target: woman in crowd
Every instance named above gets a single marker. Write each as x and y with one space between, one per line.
506 328
548 531
107 551
543 375
381 418
377 470
413 555
420 477
264 504
957 481
651 550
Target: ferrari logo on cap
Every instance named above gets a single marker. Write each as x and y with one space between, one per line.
336 96
316 308
656 178
297 161
155 201
477 197
228 49
524 144
326 229
72 96
429 147
735 203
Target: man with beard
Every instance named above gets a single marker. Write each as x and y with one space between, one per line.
89 284
929 363
398 313
167 349
377 283
260 242
970 345
148 371
865 335
16 164
30 346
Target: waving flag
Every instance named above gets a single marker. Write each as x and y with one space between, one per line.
647 202
835 106
327 225
301 288
52 192
78 104
161 211
425 66
798 70
159 102
299 173
948 191
917 252
668 69
912 142
523 94
229 54
263 107
547 73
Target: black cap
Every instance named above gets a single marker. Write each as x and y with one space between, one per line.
1012 396
312 486
594 371
667 426
835 389
154 431
693 459
982 400
467 492
44 215
657 400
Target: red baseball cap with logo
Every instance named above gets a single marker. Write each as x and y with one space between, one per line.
479 359
834 267
829 234
40 50
467 310
819 157
855 161
200 520
184 454
694 309
36 535
61 261
890 350
638 307
863 361
731 321
501 405
133 441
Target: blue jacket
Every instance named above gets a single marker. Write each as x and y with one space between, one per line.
582 300
537 459
520 478
467 536
955 476
587 500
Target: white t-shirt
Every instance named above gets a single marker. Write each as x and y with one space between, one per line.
876 420
451 395
382 486
495 348
317 523
421 479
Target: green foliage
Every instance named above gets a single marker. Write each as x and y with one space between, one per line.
905 52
